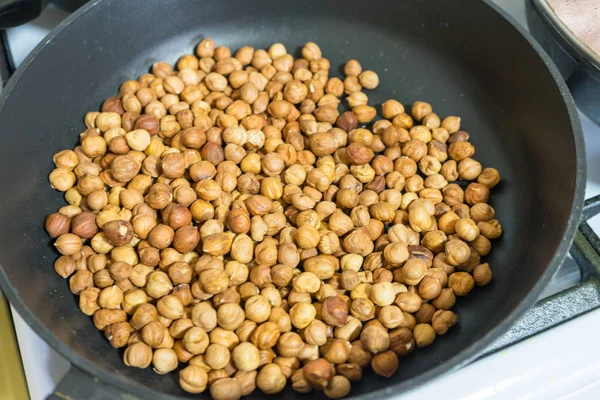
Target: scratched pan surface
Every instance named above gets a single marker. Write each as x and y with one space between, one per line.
467 61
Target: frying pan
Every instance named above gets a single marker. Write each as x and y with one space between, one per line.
470 60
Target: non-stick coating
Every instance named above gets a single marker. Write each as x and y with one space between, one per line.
466 60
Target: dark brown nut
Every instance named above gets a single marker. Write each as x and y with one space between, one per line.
347 121
334 311
318 373
401 341
425 313
57 224
84 225
149 123
118 233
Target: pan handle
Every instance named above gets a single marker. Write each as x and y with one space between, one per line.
18 12
568 304
79 385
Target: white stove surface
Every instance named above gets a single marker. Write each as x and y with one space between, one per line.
562 363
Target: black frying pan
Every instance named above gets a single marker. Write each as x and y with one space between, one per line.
466 59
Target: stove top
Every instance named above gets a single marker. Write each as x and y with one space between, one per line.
561 363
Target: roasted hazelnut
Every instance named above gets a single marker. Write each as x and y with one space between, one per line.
334 311
375 338
193 379
104 318
457 252
64 266
57 224
385 363
318 373
442 320
265 335
490 229
138 355
482 274
118 233
424 335
489 177
461 283
68 244
270 379
246 357
390 316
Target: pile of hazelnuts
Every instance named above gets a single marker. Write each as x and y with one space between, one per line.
226 221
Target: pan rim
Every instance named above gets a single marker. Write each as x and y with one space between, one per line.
464 357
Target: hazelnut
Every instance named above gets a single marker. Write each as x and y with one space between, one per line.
84 225
461 283
270 379
57 224
375 338
489 177
351 371
442 320
424 335
467 229
334 311
482 274
193 379
68 244
64 266
477 193
118 334
368 79
118 233
457 252
347 121
138 355
385 363
318 373
490 229
265 335
246 357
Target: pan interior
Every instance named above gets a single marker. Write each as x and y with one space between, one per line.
466 61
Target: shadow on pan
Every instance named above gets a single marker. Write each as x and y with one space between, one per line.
467 61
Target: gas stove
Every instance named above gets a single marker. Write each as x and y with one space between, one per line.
560 363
